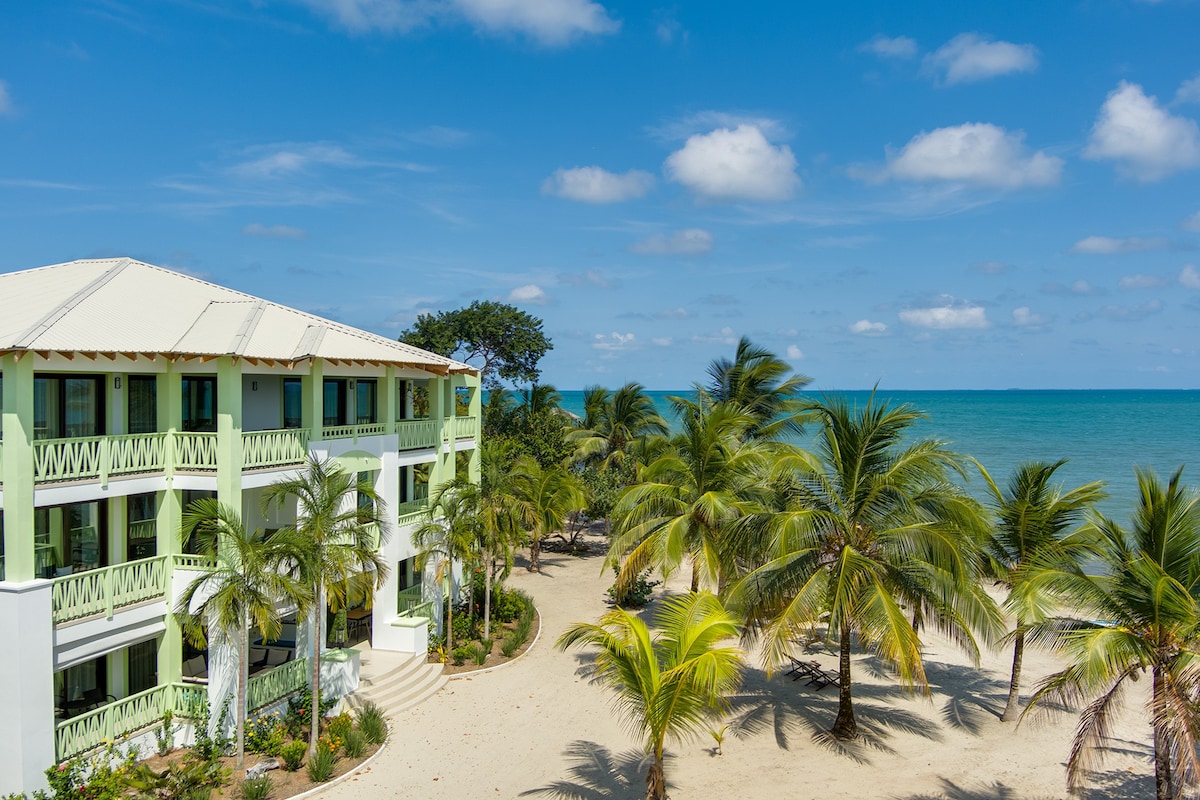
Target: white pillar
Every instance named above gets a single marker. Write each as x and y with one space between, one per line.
27 675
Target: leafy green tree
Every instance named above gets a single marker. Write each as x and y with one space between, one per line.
537 426
763 385
1034 520
243 591
547 496
500 530
449 535
1145 592
689 498
504 341
871 528
332 547
616 423
670 684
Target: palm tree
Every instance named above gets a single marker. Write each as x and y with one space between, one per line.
763 385
1034 520
616 423
671 684
332 547
1146 594
874 528
689 497
500 529
547 496
595 398
449 535
241 592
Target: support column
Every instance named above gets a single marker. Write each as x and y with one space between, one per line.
229 433
388 399
312 399
118 530
17 468
27 675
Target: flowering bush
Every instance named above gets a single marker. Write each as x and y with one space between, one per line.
99 776
266 734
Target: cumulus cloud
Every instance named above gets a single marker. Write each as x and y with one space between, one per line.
889 47
794 352
529 293
1189 91
1191 223
976 153
1146 142
865 327
1109 245
734 164
614 342
692 241
970 57
679 129
274 231
1141 281
553 23
596 185
6 103
1189 277
1024 318
1133 313
949 314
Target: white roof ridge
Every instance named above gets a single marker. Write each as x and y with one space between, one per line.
242 338
29 336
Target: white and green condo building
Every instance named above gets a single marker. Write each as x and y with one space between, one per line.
128 391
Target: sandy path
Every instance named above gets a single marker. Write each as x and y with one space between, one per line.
536 728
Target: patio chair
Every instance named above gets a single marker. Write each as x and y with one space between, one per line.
277 657
821 679
802 669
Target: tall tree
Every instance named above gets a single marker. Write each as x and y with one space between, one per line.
616 422
1145 592
242 592
501 519
449 536
505 342
1034 520
547 496
763 385
670 684
332 547
689 497
870 530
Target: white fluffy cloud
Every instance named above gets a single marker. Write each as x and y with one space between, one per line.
1189 277
971 57
1109 245
865 327
549 22
734 164
948 314
6 104
274 231
529 293
1189 91
692 241
794 352
976 153
1024 318
614 341
1146 142
596 185
889 47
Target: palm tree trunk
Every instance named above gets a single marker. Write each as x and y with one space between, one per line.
695 576
1014 684
242 679
535 554
845 727
450 611
315 681
656 779
488 570
1164 781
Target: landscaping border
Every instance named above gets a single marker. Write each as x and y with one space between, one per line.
510 662
318 789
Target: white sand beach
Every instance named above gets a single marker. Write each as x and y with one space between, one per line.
536 728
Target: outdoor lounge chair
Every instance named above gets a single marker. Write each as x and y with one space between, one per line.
803 669
820 679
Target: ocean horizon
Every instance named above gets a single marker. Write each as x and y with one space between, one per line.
1103 433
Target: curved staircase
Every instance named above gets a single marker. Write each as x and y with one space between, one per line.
395 681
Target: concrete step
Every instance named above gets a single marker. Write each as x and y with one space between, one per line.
398 686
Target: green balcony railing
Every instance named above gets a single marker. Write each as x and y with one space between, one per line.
416 434
91 457
354 431
419 610
407 598
276 684
261 449
101 591
193 562
466 427
196 452
142 710
413 512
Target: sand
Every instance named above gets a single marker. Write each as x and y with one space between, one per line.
537 728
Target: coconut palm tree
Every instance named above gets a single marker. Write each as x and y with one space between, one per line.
1145 593
546 496
1033 522
449 536
332 547
763 385
669 684
873 529
689 497
242 592
616 424
501 520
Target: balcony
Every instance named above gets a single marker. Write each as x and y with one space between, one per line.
99 457
142 710
275 684
354 431
416 434
267 449
466 427
412 512
100 592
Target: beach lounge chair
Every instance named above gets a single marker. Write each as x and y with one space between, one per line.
803 669
820 679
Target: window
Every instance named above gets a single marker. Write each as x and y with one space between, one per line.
334 402
190 496
142 666
200 404
71 537
366 506
364 392
142 539
143 404
401 399
293 403
68 406
82 687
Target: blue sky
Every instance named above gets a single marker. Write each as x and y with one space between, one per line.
927 195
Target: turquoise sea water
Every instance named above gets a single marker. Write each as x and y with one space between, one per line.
1105 434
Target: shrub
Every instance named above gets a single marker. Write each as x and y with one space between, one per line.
508 604
256 788
354 743
480 651
510 645
293 754
636 594
460 655
266 734
336 727
372 723
465 627
299 712
164 734
100 776
320 766
205 746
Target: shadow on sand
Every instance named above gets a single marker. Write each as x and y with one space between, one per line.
596 774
